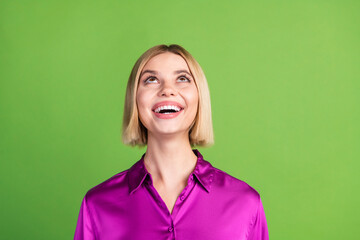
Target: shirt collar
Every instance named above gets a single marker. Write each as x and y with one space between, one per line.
203 172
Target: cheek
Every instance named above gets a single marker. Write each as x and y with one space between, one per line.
192 98
140 102
141 99
144 101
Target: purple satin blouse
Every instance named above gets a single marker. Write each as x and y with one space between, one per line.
213 205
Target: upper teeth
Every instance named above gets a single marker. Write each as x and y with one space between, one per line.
158 109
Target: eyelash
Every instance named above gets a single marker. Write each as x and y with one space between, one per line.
184 76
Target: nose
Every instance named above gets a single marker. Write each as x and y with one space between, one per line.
167 90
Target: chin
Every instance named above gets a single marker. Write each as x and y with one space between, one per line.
168 131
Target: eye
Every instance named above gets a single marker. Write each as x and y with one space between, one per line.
150 79
184 78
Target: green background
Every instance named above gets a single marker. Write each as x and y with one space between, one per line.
284 84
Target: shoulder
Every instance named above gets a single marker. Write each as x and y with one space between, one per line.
224 182
115 186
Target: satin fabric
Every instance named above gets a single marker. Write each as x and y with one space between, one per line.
213 205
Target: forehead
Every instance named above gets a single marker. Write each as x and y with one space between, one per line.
166 62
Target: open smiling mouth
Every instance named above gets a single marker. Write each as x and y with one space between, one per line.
167 111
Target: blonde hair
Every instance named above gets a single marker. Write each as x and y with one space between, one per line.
134 132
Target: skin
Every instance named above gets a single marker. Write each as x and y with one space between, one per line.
169 157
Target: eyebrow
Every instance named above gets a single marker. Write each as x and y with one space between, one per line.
155 72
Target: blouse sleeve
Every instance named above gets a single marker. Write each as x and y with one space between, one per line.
84 228
259 228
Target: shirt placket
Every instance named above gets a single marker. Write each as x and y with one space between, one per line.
178 204
182 197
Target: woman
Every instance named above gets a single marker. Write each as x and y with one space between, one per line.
171 192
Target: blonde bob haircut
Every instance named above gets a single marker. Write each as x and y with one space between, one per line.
134 132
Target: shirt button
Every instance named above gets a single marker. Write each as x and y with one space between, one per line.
211 178
171 229
182 197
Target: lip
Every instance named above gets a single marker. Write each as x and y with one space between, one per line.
170 115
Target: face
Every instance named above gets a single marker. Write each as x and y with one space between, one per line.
167 97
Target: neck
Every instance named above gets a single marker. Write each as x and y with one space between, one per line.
169 159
